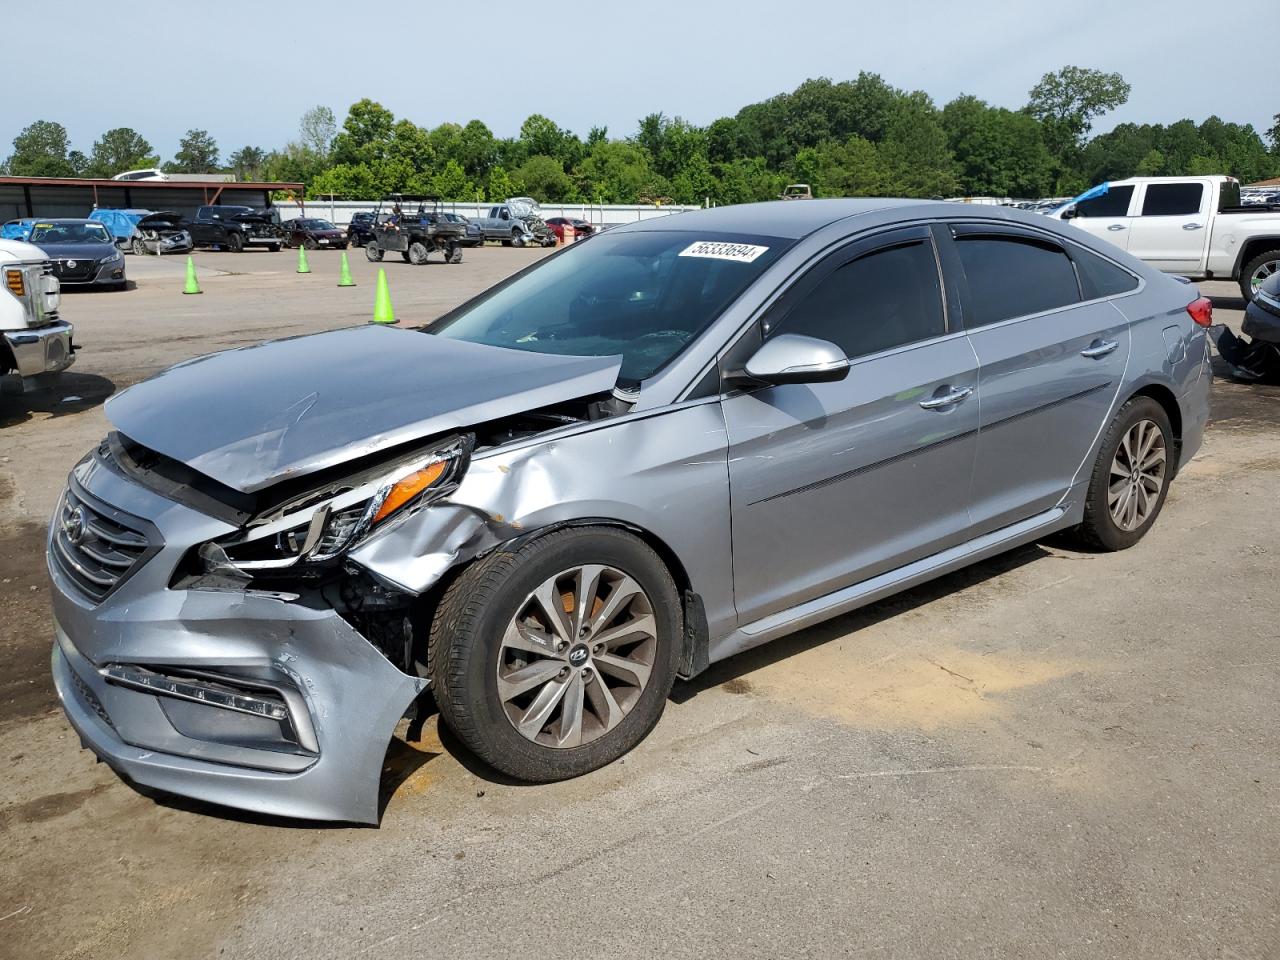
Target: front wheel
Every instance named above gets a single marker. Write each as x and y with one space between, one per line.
556 658
139 248
517 238
235 243
1130 477
373 253
309 243
1257 271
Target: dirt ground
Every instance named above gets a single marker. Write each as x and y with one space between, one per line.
1051 754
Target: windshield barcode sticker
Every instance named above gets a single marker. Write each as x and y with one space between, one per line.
717 250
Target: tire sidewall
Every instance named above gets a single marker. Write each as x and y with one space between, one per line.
1098 515
506 743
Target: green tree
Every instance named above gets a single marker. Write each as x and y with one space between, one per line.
366 133
1151 165
122 148
1067 102
617 172
41 150
544 179
197 153
914 154
451 183
850 169
998 152
746 180
247 162
500 185
317 130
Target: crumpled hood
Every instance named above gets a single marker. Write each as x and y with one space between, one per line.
252 417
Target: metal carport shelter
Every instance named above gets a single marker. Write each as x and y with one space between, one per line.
75 197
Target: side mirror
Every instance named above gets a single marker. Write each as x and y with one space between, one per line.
1070 213
793 358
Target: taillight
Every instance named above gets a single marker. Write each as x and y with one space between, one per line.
13 280
1201 311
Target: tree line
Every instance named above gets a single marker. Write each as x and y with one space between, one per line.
860 137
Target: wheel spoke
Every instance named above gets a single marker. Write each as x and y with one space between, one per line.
548 597
603 703
570 734
526 678
1155 457
622 591
588 586
629 671
519 637
644 625
535 717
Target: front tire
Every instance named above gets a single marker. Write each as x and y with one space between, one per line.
235 243
555 658
417 253
373 253
1257 271
1130 477
273 247
517 238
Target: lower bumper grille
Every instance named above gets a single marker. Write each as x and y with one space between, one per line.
94 549
83 270
90 699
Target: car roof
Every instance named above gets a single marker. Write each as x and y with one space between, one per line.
778 218
66 221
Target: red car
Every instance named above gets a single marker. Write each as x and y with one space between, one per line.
314 234
580 227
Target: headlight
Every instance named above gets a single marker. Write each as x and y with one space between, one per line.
113 258
316 531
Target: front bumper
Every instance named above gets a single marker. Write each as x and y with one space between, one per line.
346 694
263 241
106 274
40 350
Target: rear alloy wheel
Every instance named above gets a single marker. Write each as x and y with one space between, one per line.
1257 271
417 253
373 253
556 658
1130 477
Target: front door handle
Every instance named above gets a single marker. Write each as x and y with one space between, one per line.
947 399
1099 348
1193 226
1116 226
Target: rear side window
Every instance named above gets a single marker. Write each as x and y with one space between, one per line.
1172 199
884 299
1101 278
1113 203
1014 276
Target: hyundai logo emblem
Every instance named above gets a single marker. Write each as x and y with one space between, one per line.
74 526
578 655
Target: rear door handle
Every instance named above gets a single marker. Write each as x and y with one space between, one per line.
1116 226
1193 226
1099 348
947 399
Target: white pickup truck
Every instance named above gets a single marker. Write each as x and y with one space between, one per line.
1193 226
34 342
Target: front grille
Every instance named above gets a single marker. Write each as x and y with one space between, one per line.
83 269
90 698
94 550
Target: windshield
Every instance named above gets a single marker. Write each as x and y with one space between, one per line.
316 225
70 233
642 295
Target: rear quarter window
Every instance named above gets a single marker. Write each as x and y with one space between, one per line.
1010 276
1099 277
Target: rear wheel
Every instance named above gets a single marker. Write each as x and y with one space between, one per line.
454 253
556 658
417 253
1130 477
373 253
273 247
1257 271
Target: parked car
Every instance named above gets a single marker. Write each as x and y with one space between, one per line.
581 228
651 452
414 227
360 229
35 342
233 227
150 173
121 223
473 237
313 233
1192 226
83 252
161 232
17 229
797 191
517 222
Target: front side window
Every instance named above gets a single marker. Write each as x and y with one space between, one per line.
884 299
1113 203
1172 199
1014 276
642 295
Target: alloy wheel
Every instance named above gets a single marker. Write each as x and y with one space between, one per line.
1137 475
1266 270
577 655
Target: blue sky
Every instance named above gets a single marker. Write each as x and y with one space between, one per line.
246 71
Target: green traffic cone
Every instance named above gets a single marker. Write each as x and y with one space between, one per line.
382 309
345 279
302 260
193 285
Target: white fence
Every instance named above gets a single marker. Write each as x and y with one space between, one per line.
339 212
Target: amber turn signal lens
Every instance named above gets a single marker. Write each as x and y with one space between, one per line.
408 488
13 280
